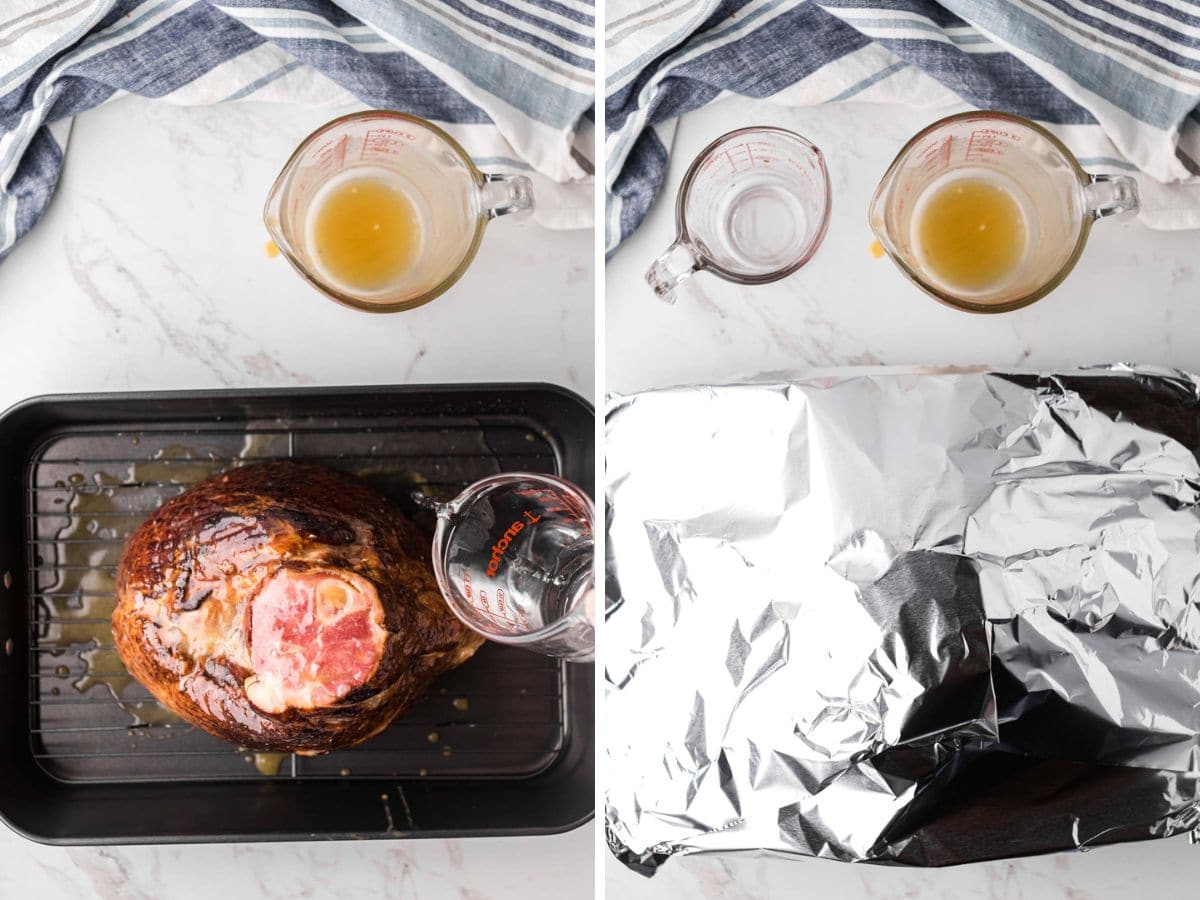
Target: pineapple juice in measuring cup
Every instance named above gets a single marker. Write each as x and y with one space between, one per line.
989 212
384 211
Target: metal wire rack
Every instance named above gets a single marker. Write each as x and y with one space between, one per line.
501 715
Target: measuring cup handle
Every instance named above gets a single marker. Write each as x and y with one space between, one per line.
1110 195
504 194
671 268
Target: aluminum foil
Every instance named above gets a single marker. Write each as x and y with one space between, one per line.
902 616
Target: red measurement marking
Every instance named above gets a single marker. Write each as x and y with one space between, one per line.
504 616
492 617
547 498
765 158
331 155
937 157
384 142
466 583
986 142
554 506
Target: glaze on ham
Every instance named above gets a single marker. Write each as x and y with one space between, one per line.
284 607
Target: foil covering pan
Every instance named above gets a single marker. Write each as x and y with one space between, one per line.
904 617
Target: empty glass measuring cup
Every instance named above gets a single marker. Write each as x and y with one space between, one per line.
513 555
383 211
988 212
753 208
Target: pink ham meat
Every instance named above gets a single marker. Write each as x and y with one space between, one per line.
284 607
313 639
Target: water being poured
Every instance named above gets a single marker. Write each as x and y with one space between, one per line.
514 555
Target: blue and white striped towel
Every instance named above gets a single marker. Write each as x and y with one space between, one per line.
512 79
1117 80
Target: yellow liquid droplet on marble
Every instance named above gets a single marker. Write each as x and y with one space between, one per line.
366 233
271 249
971 234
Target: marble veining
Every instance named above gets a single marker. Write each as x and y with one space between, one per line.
1156 868
476 869
147 272
1134 296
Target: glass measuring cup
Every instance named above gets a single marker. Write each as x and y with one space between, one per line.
513 555
1058 201
452 201
753 208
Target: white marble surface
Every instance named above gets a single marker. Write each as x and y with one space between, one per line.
1135 296
149 272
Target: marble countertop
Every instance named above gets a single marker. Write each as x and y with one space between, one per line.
149 271
1135 296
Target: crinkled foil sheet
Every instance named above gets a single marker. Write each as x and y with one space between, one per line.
904 617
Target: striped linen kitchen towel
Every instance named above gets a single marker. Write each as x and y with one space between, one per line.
1117 80
513 80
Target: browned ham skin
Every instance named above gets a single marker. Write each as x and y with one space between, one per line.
284 607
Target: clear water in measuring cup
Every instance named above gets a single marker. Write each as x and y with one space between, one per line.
514 558
764 221
757 201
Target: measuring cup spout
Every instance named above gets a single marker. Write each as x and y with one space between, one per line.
273 213
877 216
671 268
444 511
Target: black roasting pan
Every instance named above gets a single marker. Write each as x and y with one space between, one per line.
502 746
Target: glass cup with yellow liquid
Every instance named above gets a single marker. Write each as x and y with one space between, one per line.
383 211
989 212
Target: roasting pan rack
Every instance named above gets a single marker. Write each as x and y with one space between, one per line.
506 716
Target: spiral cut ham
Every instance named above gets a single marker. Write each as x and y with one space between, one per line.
284 607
